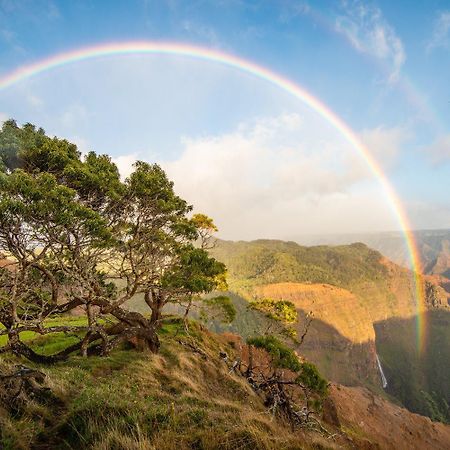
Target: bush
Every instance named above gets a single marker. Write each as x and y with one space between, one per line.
282 356
310 377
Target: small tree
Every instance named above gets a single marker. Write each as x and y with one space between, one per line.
206 229
293 388
281 316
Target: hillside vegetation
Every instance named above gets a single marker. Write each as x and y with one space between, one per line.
269 261
356 297
419 380
187 397
433 247
77 240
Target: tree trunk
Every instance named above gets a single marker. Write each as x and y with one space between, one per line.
91 324
20 349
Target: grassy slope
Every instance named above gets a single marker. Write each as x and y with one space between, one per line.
179 399
188 399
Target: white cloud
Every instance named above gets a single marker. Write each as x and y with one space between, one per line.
125 164
385 143
441 32
269 179
369 33
281 177
278 177
439 151
3 117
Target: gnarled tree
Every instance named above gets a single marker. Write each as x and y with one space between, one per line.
75 236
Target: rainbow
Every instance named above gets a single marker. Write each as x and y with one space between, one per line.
205 54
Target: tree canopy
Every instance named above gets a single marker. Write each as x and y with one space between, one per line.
74 236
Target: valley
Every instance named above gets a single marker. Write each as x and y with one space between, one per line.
363 306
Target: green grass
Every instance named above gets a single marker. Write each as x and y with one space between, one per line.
177 399
52 343
27 336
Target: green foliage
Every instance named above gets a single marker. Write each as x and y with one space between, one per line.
281 315
310 377
282 356
150 188
205 228
73 229
202 221
29 148
96 180
279 310
419 380
10 144
436 405
268 261
196 271
41 202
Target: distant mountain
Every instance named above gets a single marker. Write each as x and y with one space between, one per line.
433 247
364 306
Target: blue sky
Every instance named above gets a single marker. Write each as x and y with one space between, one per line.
241 150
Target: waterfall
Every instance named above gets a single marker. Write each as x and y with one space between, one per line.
383 378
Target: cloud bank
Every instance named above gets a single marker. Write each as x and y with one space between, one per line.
273 177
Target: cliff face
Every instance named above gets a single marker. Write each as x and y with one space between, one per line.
363 414
341 338
354 294
440 263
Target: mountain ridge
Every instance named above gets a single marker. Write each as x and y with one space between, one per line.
433 247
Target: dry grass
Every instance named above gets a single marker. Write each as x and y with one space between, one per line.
180 399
